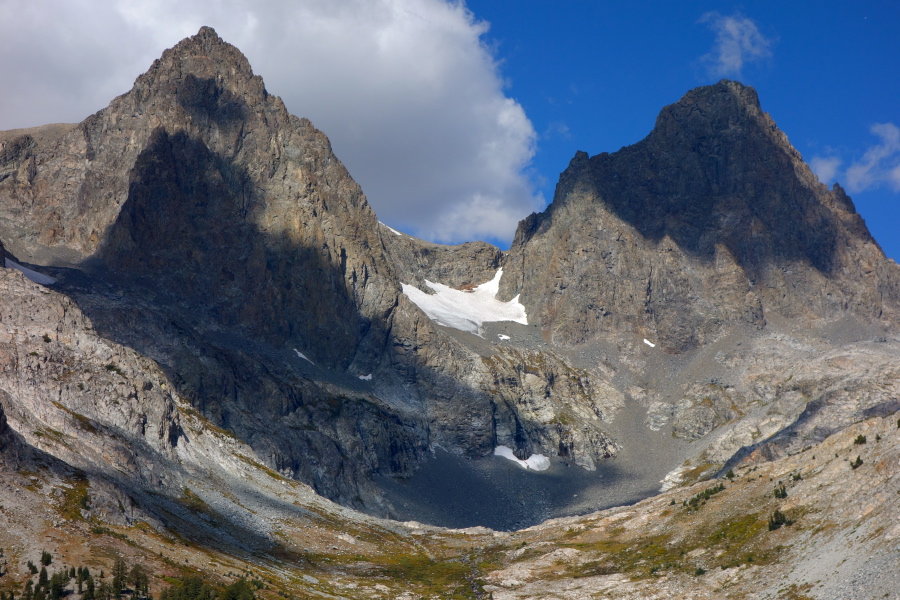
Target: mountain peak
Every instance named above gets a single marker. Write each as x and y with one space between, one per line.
713 108
204 57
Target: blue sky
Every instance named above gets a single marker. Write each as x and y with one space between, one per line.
592 76
457 118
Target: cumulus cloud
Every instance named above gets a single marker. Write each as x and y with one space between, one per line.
409 93
825 167
738 42
880 165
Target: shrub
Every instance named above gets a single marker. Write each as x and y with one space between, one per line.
730 474
860 439
781 492
700 571
856 463
778 519
796 477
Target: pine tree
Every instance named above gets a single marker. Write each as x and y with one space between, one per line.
139 579
28 592
120 577
42 578
56 586
46 558
89 591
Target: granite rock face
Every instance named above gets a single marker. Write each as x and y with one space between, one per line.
210 230
712 220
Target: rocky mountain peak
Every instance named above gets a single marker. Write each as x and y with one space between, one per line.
204 57
726 102
711 219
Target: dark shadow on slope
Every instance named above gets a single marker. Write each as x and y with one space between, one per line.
186 277
494 492
709 174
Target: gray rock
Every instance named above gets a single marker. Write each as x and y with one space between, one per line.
712 220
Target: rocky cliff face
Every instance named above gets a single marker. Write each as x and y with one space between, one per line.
219 235
712 220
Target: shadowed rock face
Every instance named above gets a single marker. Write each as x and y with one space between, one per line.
713 219
219 233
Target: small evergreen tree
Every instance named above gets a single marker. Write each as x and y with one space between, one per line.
28 592
89 588
781 492
856 463
138 577
56 587
120 577
778 519
42 578
46 558
860 439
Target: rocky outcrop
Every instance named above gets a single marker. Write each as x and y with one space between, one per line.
712 220
462 267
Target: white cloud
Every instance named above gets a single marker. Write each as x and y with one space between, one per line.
880 165
738 41
409 94
825 167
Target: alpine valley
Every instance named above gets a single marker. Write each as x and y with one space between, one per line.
681 381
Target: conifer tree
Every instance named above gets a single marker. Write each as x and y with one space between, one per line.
28 592
120 577
89 588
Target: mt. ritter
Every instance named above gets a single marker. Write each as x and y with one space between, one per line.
212 355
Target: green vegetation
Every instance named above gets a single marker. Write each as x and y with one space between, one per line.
856 463
781 492
730 474
860 439
700 499
75 499
114 369
194 587
778 519
47 339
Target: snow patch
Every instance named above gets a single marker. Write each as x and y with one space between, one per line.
536 462
391 229
300 354
466 310
366 377
34 276
649 343
502 337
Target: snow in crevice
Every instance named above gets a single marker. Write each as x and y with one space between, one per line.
366 377
649 343
300 354
535 462
391 229
466 310
34 276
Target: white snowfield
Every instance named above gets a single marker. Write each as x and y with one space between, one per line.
649 343
366 377
466 310
536 462
34 276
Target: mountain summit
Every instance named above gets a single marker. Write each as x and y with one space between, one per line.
712 220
